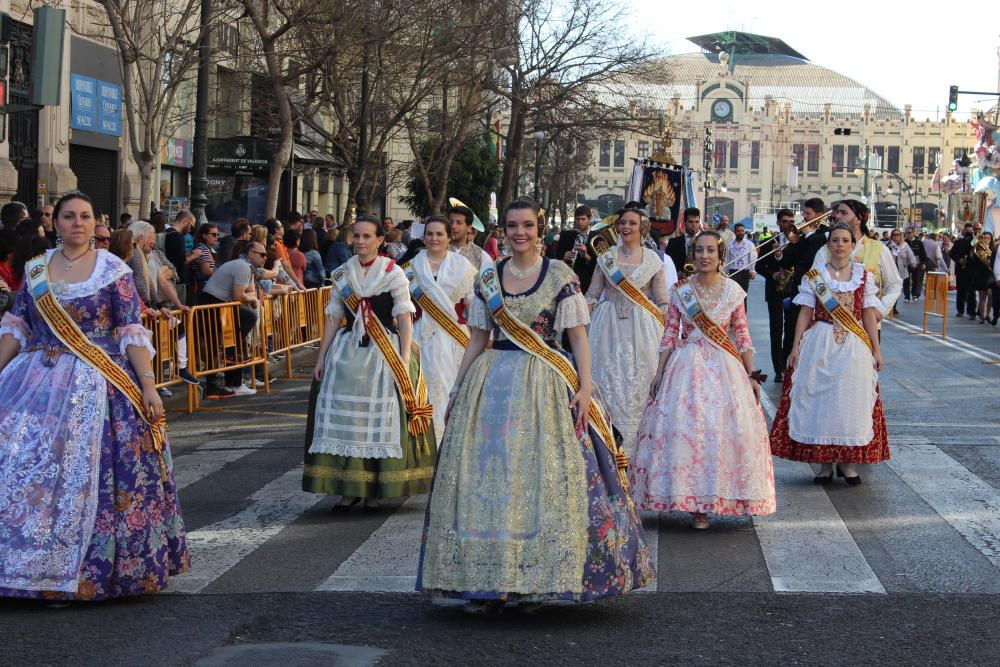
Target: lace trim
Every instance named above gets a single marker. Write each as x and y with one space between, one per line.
572 312
135 334
16 327
393 451
107 269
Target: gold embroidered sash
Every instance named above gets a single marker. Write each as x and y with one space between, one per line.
708 327
431 307
529 341
415 401
609 266
837 311
66 330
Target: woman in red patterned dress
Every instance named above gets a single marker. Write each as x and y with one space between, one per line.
830 411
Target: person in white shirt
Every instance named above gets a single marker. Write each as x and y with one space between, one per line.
742 254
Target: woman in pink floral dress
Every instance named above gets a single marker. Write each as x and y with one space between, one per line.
702 446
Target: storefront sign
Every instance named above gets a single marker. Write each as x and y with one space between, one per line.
83 98
109 111
96 105
240 155
176 152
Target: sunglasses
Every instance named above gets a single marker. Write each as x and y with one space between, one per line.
257 252
102 239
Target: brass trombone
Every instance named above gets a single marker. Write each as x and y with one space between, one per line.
820 220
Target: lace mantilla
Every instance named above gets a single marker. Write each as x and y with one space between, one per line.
107 269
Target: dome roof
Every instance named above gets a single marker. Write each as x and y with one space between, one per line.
781 77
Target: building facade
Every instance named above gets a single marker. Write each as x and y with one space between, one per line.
783 130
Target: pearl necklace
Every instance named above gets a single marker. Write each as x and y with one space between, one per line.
522 274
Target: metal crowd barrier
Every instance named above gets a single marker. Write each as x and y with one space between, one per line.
214 344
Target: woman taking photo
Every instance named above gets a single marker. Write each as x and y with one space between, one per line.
830 411
981 273
441 286
529 504
702 446
370 432
627 323
84 451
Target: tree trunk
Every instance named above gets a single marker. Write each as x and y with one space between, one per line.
145 185
512 155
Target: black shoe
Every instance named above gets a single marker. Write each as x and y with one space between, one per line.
851 481
187 377
337 509
972 316
994 321
779 377
219 392
823 479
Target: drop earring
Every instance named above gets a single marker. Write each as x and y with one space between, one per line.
59 243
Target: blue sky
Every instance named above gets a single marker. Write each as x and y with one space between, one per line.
907 56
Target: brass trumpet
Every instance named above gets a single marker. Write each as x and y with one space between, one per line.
820 220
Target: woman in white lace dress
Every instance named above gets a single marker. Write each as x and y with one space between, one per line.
624 335
446 278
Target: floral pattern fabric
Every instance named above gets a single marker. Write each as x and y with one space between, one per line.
702 443
85 511
523 507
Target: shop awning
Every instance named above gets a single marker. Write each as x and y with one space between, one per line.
308 155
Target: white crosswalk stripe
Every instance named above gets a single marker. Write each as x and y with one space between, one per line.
215 549
211 457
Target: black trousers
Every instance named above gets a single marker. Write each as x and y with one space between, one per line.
996 301
965 296
776 327
248 320
791 317
742 279
916 282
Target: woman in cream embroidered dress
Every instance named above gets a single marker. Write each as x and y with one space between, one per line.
527 504
86 511
830 411
624 337
702 445
357 443
447 278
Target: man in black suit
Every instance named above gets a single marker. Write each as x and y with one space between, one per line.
573 249
799 255
769 266
965 297
678 246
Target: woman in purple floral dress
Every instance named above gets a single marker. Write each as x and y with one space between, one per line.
88 507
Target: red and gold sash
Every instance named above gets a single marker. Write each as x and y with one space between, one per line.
529 341
712 331
431 307
69 334
609 266
418 408
837 311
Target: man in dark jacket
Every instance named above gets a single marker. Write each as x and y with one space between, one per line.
798 256
965 297
769 266
573 249
917 274
173 248
678 246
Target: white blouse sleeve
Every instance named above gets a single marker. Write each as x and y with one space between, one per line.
572 312
805 297
400 290
335 307
871 299
16 327
478 317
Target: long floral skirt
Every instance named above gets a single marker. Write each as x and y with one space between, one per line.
85 511
524 507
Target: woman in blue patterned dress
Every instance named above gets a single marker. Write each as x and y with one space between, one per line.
527 503
88 506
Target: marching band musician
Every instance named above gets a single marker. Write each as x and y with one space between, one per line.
769 266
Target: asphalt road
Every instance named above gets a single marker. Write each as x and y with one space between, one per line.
901 570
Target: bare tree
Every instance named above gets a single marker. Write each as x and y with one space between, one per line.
158 43
376 73
570 71
280 27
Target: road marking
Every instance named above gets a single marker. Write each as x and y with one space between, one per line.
387 561
209 458
769 409
939 425
806 545
216 548
960 345
965 501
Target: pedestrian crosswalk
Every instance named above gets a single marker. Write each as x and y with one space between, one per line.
821 540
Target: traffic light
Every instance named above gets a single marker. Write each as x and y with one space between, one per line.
952 98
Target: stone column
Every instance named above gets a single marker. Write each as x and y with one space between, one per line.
8 175
54 134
